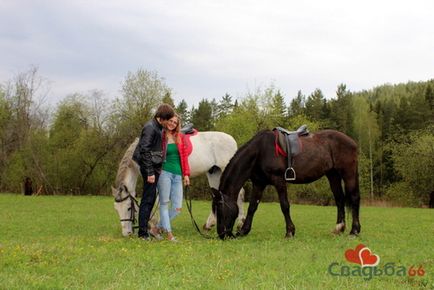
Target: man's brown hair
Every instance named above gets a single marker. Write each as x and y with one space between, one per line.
164 112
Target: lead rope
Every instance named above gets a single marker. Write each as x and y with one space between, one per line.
190 210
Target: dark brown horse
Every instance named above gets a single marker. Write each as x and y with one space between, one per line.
328 152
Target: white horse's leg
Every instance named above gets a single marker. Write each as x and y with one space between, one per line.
214 182
155 214
210 221
240 204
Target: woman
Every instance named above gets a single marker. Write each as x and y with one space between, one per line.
175 169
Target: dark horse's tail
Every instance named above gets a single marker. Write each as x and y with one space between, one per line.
352 192
352 195
346 160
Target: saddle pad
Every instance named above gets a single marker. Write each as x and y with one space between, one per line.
187 142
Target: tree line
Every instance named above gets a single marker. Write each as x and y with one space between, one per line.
75 147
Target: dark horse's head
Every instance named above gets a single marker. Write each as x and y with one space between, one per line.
226 210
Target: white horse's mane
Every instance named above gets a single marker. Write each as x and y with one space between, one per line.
126 162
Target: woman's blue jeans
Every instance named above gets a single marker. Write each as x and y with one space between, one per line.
170 191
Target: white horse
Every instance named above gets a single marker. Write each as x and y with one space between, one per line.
211 153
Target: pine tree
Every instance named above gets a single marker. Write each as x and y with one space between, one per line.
202 116
167 99
314 105
341 111
182 111
225 106
297 105
278 113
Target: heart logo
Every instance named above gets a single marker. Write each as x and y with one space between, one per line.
353 256
363 256
368 259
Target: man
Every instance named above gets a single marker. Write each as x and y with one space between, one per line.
149 155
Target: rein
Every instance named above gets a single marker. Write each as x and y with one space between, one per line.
190 210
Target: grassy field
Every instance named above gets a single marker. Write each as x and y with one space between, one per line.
53 242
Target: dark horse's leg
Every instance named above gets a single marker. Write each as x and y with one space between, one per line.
255 198
352 195
335 181
280 185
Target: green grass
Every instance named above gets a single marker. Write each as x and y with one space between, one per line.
52 242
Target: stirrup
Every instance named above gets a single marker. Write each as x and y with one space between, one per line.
292 174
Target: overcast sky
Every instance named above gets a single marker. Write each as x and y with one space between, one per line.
206 48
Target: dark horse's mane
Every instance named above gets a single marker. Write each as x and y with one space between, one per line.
239 165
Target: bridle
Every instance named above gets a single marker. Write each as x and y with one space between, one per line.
132 208
223 204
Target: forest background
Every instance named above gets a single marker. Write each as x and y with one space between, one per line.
75 147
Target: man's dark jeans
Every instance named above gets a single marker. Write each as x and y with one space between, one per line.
147 203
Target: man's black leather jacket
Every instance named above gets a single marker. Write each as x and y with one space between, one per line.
149 153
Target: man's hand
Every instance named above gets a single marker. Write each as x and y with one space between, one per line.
151 179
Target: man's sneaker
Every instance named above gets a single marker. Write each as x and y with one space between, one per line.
145 238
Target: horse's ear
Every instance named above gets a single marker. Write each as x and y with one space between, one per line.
114 192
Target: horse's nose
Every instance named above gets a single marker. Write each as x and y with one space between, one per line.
127 233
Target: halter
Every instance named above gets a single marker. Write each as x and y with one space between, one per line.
223 203
132 209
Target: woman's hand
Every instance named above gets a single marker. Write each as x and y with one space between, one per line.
186 180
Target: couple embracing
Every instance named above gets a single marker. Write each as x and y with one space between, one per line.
163 161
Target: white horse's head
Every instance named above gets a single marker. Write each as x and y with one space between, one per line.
126 206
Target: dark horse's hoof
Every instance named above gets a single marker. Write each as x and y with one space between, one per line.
227 236
240 234
355 231
355 234
289 235
290 232
339 229
230 236
244 231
